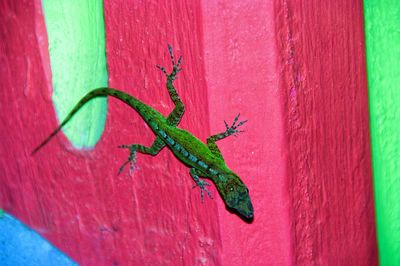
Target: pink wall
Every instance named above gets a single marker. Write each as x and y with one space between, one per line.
322 56
74 198
169 223
296 71
241 73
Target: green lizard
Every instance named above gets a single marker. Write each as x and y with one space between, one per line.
203 160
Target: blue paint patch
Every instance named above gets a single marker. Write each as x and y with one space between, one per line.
19 245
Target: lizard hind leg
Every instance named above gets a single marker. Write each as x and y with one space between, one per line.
175 66
131 159
175 116
155 148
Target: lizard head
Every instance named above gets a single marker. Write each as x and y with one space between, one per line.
236 195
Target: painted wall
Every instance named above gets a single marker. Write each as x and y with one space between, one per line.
74 197
295 71
382 21
325 93
242 76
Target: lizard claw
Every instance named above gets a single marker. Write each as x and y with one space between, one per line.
175 65
131 159
202 185
232 130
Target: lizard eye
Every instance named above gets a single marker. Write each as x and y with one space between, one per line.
231 188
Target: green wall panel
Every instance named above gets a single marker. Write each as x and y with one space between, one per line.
76 37
382 28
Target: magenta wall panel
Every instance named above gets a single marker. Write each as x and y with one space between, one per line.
74 198
324 85
169 225
243 76
296 70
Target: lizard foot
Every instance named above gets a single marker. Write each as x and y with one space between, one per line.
131 159
202 185
175 65
232 130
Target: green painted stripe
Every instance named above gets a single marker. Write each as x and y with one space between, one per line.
382 28
77 50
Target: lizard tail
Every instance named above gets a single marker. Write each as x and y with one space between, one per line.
100 92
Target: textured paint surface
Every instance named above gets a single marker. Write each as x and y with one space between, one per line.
76 39
326 114
298 74
20 245
242 76
171 226
295 71
74 198
382 21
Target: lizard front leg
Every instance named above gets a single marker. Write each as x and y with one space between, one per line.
230 130
155 148
175 116
194 173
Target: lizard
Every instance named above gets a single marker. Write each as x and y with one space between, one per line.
204 160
